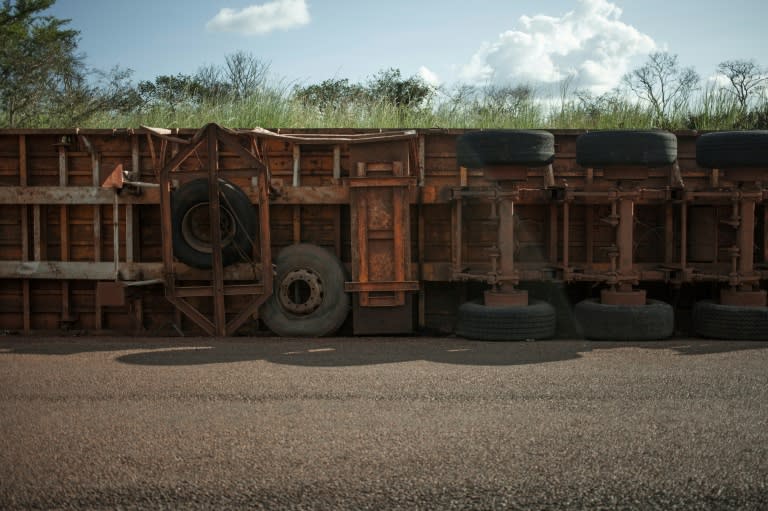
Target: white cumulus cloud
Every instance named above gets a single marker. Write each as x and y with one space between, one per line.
261 19
588 44
429 76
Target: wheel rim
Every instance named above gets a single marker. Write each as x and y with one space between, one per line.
301 292
196 227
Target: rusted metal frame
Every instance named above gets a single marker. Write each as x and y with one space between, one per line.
232 143
192 313
669 233
421 240
165 134
398 235
329 139
566 239
382 182
131 227
336 163
66 315
395 286
456 235
265 238
296 224
96 181
401 246
23 180
553 234
37 228
359 221
296 179
166 229
167 234
625 235
746 237
506 242
116 236
422 159
218 290
153 154
82 270
59 195
230 290
217 266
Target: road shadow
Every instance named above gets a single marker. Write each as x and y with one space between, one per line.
342 352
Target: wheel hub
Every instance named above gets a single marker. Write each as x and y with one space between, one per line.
196 227
301 292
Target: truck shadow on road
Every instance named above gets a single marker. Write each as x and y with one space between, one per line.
341 352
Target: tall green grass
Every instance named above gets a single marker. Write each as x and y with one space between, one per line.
276 107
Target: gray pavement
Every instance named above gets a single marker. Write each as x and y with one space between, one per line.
404 423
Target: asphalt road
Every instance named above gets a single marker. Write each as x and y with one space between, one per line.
402 423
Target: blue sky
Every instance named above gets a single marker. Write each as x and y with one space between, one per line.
483 41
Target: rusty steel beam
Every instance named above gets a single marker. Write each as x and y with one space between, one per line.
746 237
62 195
624 235
217 266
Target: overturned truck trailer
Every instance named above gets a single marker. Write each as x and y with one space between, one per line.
496 235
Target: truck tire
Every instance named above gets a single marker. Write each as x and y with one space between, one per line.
730 321
479 149
516 323
602 322
309 298
647 148
190 224
732 149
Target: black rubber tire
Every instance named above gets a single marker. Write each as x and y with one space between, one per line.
534 321
601 322
647 148
725 149
730 321
238 208
479 149
334 303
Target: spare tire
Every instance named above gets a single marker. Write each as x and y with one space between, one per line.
309 298
602 322
732 149
190 221
648 148
718 321
479 149
537 320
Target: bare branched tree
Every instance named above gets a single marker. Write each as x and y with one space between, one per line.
245 73
663 84
746 78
